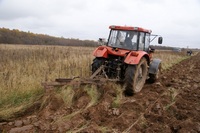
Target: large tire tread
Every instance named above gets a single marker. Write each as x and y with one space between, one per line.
131 85
97 62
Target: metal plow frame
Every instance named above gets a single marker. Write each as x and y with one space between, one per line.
95 79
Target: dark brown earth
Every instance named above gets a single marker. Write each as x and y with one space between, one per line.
171 105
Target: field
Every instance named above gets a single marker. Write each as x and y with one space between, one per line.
25 106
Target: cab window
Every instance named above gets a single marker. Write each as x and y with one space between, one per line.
141 41
147 42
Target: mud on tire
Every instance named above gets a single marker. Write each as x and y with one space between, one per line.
135 77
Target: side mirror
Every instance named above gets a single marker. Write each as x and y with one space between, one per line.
160 40
102 41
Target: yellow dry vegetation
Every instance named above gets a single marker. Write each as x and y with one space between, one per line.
24 67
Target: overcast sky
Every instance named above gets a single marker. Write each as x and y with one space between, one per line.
178 21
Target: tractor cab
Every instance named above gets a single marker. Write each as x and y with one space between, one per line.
130 38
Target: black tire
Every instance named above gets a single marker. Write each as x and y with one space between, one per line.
97 62
154 77
135 77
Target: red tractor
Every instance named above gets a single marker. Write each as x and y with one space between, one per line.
127 58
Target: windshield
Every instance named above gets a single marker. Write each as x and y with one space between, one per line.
123 39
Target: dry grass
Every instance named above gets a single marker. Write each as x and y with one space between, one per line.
169 58
23 68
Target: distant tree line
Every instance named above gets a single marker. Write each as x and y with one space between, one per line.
15 36
157 47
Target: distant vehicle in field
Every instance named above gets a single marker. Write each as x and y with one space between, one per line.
189 52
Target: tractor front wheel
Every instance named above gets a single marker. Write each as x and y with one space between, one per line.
135 77
154 77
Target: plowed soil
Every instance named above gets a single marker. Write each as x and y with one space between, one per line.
171 105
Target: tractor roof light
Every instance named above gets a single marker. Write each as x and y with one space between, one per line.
112 27
130 28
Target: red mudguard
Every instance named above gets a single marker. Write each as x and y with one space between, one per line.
101 52
134 57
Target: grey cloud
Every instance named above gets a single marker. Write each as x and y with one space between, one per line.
177 20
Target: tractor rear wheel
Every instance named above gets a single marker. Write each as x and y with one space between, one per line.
135 77
97 62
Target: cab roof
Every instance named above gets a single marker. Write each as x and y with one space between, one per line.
115 27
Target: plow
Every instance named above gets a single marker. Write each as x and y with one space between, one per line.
125 58
94 79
